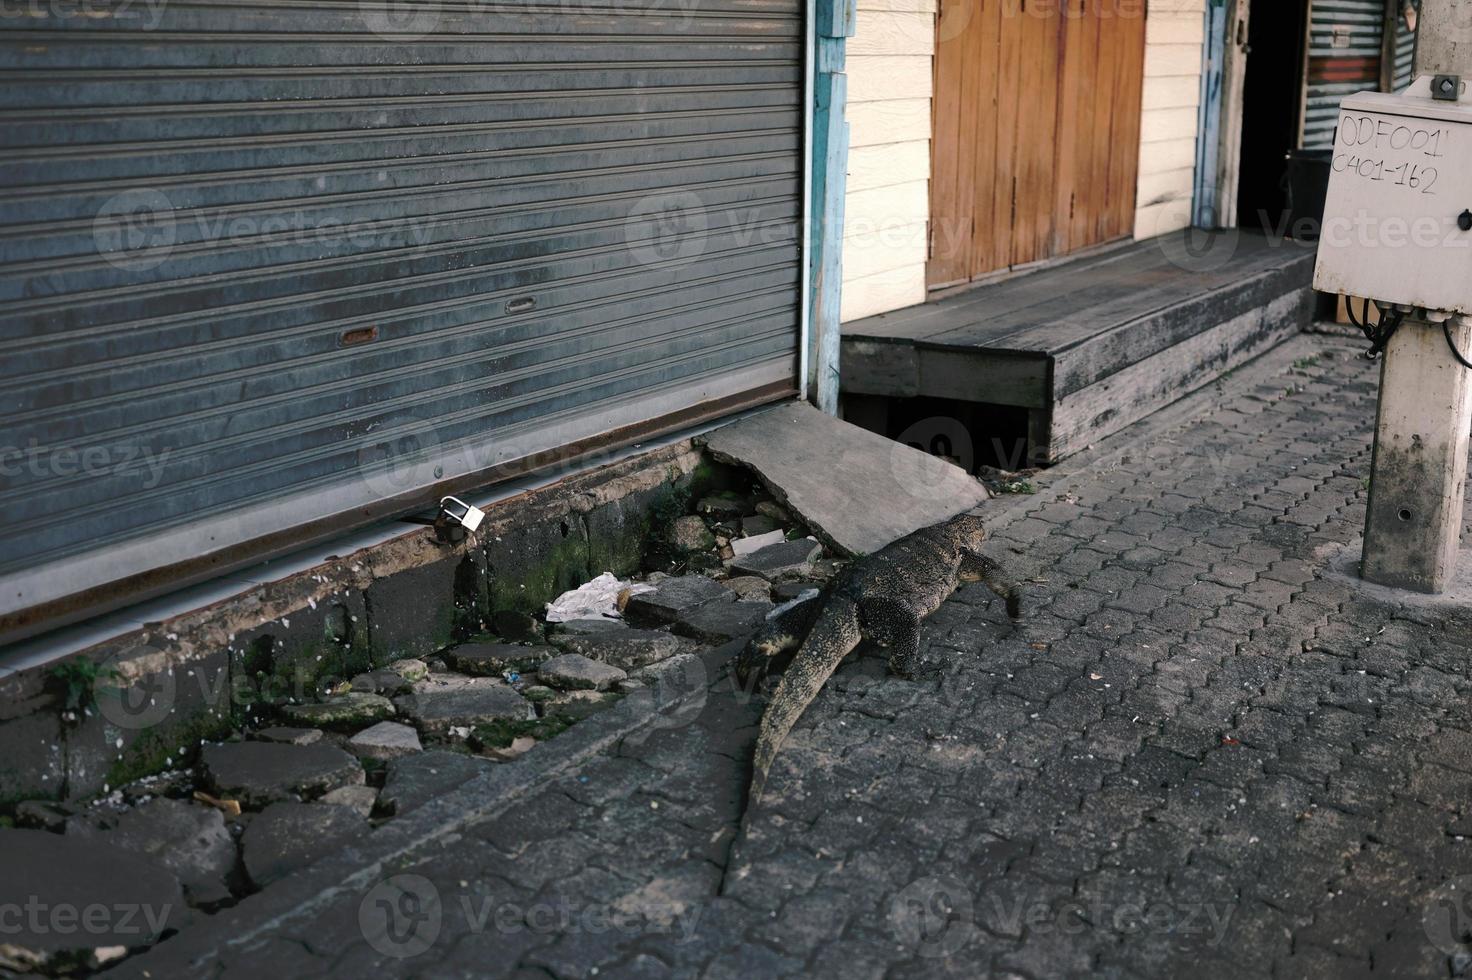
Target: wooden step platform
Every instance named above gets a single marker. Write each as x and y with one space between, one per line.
1091 345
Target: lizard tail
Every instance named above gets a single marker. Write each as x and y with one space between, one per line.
833 636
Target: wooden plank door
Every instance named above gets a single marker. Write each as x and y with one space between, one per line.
1037 127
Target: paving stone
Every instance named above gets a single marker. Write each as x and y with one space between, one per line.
341 712
414 780
674 597
791 559
385 740
61 879
286 837
573 671
494 659
259 773
286 735
436 708
721 622
624 649
185 838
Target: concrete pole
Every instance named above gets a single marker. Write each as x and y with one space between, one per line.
1419 475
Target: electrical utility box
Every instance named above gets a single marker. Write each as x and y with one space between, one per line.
1398 219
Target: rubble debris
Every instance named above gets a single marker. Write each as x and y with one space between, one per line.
597 599
342 711
261 773
573 671
385 740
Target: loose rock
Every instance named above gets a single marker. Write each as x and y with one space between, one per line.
790 559
288 836
43 814
288 736
385 682
359 799
436 709
625 649
750 587
747 546
575 672
758 525
344 711
517 627
410 670
55 872
776 512
493 659
723 506
675 596
385 740
723 622
690 534
260 773
190 841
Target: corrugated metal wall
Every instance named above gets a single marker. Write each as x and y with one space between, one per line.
1345 47
1405 50
264 263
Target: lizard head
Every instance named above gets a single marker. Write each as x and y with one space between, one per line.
969 534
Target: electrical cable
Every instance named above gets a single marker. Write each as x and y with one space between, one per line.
1446 327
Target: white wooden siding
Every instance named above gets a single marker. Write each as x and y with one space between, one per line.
890 83
1174 35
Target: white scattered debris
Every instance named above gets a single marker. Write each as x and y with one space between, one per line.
598 599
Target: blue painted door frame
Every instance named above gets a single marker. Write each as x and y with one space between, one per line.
1207 208
834 24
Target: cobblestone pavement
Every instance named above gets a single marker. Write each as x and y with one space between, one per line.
1203 752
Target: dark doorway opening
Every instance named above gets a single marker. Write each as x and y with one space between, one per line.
1271 103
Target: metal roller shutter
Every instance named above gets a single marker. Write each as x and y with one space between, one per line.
275 267
1345 38
1405 47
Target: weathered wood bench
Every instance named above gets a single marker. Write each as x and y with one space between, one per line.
1091 345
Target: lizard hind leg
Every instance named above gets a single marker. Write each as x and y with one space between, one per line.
833 637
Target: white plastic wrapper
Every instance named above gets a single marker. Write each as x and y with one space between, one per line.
597 599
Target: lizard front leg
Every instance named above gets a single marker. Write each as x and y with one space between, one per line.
989 572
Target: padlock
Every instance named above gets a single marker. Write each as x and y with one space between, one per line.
467 516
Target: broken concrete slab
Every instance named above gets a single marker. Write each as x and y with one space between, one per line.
288 836
52 872
385 740
286 735
343 711
779 562
625 649
416 779
584 627
722 622
723 505
436 708
260 773
674 597
741 547
757 525
858 490
575 672
494 659
188 840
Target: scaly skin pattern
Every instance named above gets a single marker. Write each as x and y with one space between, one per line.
882 598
